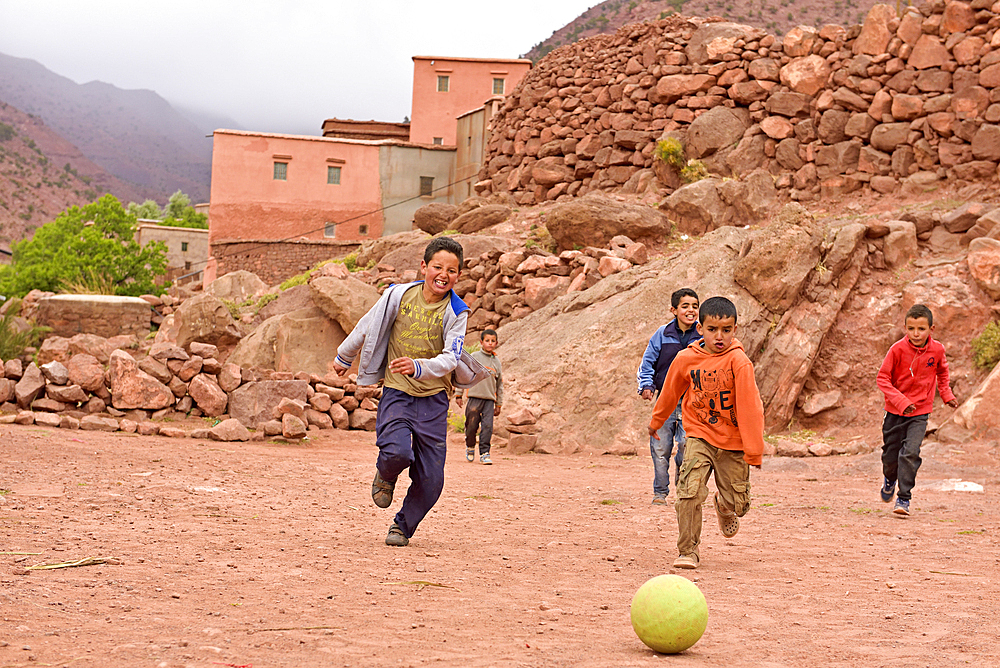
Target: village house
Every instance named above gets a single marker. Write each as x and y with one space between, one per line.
280 203
187 248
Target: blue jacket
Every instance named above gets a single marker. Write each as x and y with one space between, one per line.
663 346
371 338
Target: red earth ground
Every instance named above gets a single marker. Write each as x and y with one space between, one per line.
272 554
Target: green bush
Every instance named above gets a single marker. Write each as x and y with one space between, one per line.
13 340
457 422
670 151
694 170
986 347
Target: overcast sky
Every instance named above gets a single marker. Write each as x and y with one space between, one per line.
272 66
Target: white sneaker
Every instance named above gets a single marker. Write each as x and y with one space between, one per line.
485 459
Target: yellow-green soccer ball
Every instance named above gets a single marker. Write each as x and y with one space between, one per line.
669 613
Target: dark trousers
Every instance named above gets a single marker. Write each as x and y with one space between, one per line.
901 439
479 417
411 432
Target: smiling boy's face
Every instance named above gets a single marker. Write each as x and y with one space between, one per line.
717 332
440 275
686 312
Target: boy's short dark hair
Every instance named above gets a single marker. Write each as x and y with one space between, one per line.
717 307
485 332
678 295
444 244
920 311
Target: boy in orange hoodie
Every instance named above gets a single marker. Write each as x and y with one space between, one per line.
724 420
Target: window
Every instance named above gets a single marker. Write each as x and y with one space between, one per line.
330 230
333 175
443 83
281 171
187 266
184 246
362 230
426 186
438 141
498 86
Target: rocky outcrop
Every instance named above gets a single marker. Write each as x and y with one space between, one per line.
900 104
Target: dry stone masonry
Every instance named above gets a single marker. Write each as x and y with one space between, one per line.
898 104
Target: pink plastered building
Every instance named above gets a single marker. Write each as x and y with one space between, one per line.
445 88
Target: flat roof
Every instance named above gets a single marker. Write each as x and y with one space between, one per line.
524 61
336 140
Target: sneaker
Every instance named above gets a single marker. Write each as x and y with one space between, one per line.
485 459
729 524
888 489
382 491
396 538
902 507
470 455
660 500
686 561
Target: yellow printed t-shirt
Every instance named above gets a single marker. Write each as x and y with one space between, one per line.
418 333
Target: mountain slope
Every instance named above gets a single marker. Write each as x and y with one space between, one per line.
133 134
775 16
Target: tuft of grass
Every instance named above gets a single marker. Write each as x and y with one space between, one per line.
694 170
986 346
671 152
970 532
610 502
457 422
13 339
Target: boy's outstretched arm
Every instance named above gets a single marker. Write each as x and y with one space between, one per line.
644 376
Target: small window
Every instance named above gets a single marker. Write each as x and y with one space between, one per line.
498 86
330 230
426 186
443 83
187 266
281 171
184 246
362 230
468 141
438 141
333 175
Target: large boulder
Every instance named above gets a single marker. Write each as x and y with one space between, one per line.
207 394
343 298
480 218
408 256
304 340
435 217
984 265
236 286
716 129
595 219
131 387
206 319
697 208
256 402
373 251
294 298
712 41
31 386
979 414
86 371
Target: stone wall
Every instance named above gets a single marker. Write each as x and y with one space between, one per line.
104 315
275 261
899 103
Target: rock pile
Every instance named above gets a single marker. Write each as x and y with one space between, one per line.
899 103
92 383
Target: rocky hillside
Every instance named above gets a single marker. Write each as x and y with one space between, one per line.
133 134
775 16
41 174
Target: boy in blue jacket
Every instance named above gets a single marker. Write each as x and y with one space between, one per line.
412 339
663 346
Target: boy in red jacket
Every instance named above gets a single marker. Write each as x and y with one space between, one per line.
724 420
907 377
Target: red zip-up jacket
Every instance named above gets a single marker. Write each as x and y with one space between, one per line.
909 374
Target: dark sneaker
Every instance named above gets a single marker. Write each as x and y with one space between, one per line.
659 499
686 561
470 455
485 459
382 491
888 489
396 538
902 507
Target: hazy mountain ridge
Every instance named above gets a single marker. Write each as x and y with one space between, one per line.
135 135
775 16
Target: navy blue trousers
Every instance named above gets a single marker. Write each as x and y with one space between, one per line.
411 432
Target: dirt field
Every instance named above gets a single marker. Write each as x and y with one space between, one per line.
272 554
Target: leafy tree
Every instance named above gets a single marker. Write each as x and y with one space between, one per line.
177 213
148 210
82 244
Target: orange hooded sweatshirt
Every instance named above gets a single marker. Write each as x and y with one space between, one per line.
721 401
